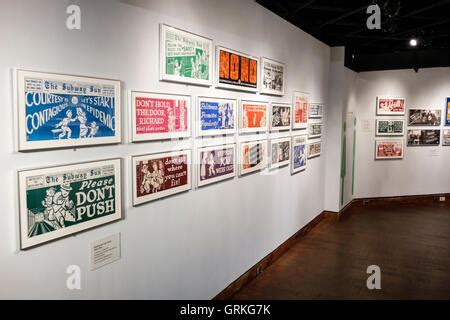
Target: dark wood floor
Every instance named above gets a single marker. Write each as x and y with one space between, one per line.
410 243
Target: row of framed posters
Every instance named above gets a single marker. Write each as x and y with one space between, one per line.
188 58
58 201
57 111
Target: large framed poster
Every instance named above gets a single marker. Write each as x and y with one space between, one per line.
236 70
253 116
57 110
157 116
185 57
314 130
252 156
391 106
280 152
215 164
447 112
314 149
301 107
216 116
272 73
446 137
390 127
160 175
59 201
424 117
424 137
389 149
299 153
280 116
315 110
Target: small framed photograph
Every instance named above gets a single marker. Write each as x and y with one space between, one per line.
159 116
391 106
314 149
160 175
299 153
280 117
446 137
314 130
216 116
272 73
390 127
280 152
252 156
424 117
253 116
301 110
424 137
315 110
215 163
389 149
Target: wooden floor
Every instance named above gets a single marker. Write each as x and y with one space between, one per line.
410 243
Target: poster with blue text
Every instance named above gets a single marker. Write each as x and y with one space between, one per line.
447 113
57 111
216 116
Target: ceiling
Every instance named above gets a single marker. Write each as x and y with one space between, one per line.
343 23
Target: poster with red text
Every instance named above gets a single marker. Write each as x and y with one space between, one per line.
301 105
254 116
389 149
160 116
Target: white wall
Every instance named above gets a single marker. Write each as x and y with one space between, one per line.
423 169
187 246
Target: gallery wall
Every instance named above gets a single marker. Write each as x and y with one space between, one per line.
422 170
191 245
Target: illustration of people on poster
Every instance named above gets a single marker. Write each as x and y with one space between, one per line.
280 152
273 77
281 116
301 105
217 115
299 153
216 163
254 116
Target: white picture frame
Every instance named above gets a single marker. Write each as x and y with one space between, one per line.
315 130
314 149
389 150
279 120
207 105
245 157
315 111
205 166
390 127
253 116
300 112
390 106
299 157
277 149
272 77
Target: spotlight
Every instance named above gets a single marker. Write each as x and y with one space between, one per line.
413 42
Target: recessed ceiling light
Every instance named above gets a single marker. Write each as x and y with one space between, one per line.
413 42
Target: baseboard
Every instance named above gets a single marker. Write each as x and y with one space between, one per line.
253 272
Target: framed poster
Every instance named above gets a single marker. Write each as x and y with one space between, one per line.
424 117
280 152
216 116
446 137
314 149
215 164
253 116
236 70
253 156
315 110
160 175
272 73
58 201
390 127
301 106
158 116
58 111
280 117
314 130
389 149
185 57
299 156
424 137
447 112
391 106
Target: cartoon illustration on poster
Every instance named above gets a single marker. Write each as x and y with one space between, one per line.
58 110
253 116
390 127
215 164
301 106
63 200
424 138
280 117
253 156
272 77
216 116
315 110
160 116
236 70
447 113
388 106
314 149
314 130
280 152
424 117
185 57
389 149
299 155
446 137
160 175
